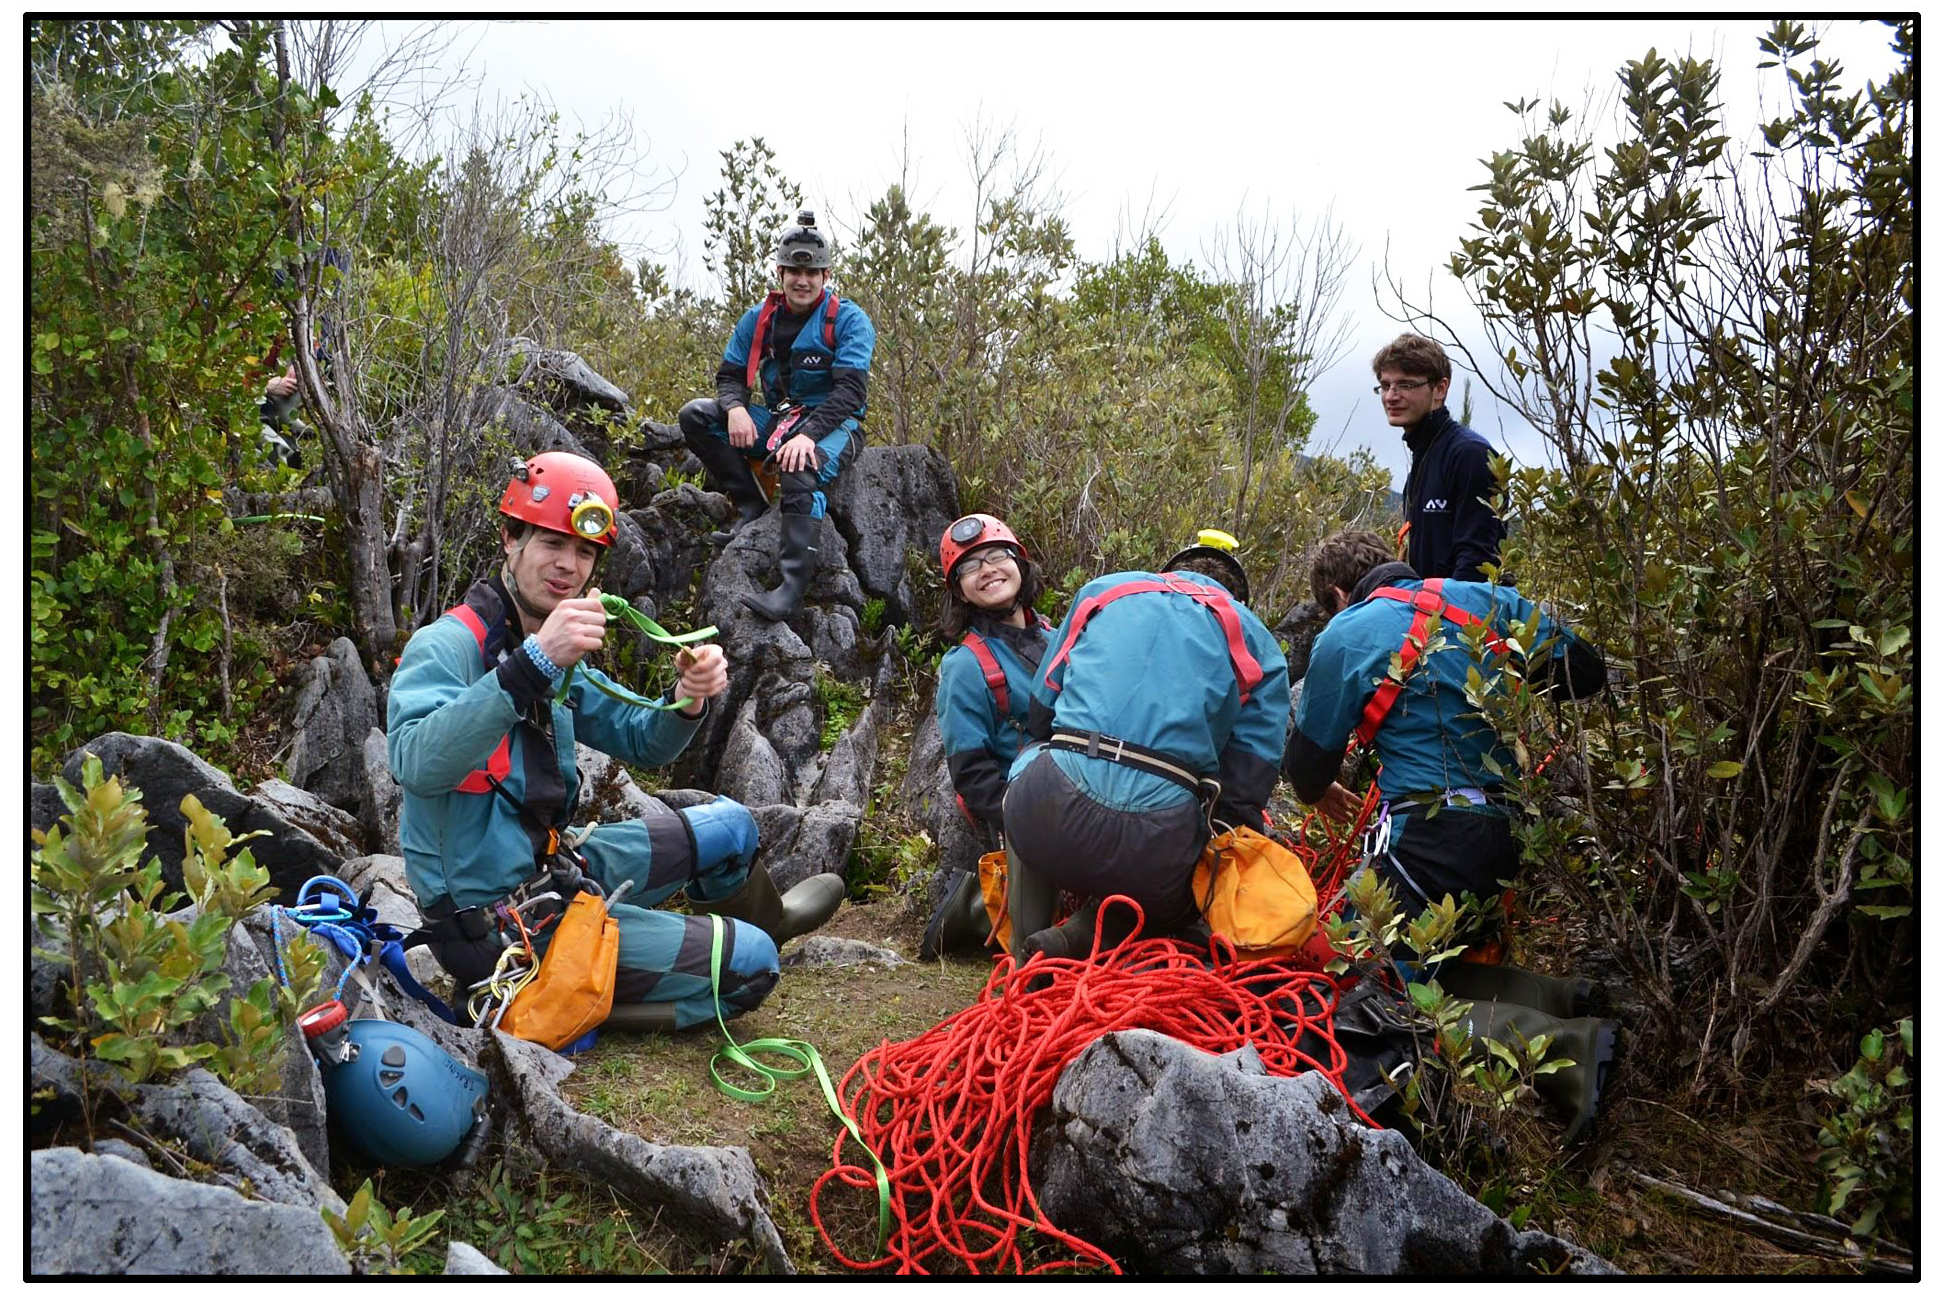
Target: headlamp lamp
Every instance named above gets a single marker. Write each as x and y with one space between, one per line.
591 519
967 529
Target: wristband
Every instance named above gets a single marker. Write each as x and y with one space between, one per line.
545 666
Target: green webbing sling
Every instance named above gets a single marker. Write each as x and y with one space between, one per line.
809 1062
618 609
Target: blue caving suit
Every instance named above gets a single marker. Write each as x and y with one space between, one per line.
1432 744
796 365
980 743
1154 670
448 711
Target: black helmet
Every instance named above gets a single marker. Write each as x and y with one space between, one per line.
1213 554
803 245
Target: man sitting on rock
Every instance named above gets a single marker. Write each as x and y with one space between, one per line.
1446 826
486 759
808 352
1162 701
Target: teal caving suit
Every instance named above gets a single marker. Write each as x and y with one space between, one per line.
1160 672
462 708
979 738
1433 744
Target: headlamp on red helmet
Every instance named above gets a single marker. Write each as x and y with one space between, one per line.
970 532
566 493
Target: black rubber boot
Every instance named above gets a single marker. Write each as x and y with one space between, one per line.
730 474
647 1016
1592 1043
959 922
1030 905
1566 998
1071 939
798 562
804 907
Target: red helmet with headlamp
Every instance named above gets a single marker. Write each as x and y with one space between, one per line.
566 493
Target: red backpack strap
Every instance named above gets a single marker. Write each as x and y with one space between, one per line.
753 358
1248 669
1428 601
498 766
832 311
990 669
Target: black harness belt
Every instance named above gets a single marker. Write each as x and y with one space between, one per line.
1121 752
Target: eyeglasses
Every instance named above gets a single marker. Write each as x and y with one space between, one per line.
1407 386
969 565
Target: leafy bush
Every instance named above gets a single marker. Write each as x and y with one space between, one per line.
1867 1143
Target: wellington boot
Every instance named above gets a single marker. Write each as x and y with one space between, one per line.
729 473
798 562
1030 905
1574 1092
647 1016
959 922
804 907
1071 939
1567 998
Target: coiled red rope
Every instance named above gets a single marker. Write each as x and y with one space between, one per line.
951 1112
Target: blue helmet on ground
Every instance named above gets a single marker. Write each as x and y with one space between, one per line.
401 1098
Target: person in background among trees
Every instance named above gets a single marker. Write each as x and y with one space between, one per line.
1451 528
984 694
1447 825
808 353
486 756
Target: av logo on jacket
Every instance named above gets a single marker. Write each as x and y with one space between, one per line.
813 361
1436 505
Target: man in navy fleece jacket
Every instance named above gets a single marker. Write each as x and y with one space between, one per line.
1451 528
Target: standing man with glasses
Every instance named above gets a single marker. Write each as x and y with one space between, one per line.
808 355
1448 520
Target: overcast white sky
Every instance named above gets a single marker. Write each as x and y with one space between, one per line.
1383 120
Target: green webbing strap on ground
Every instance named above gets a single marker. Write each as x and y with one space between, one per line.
809 1062
618 609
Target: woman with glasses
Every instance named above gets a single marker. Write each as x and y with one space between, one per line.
983 698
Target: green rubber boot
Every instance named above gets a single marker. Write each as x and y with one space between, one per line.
798 563
804 907
1071 939
1592 1044
959 922
1566 998
1030 905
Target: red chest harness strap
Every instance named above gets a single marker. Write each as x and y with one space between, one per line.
772 303
1248 670
1429 601
498 766
990 668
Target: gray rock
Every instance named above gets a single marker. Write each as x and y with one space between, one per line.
47 969
298 1104
463 1259
1183 1163
1298 631
820 951
848 772
608 794
99 1215
927 792
334 712
335 829
712 1190
230 1135
750 770
893 499
822 844
165 772
565 381
365 872
680 798
382 810
120 1149
530 428
45 808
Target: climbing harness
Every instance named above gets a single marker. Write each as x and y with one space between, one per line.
951 1112
1248 670
1429 601
808 1059
1101 746
990 668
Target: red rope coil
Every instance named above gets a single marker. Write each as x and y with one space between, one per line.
951 1111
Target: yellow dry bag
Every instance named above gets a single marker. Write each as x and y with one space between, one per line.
993 895
1256 892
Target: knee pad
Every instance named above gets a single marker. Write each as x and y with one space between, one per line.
751 968
722 831
799 494
698 418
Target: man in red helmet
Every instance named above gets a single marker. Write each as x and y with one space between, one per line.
484 749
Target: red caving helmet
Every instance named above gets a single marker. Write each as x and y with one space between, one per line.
970 532
566 493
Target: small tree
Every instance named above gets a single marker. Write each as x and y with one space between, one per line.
755 201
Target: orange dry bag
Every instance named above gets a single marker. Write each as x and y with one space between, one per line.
1256 892
993 895
572 991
